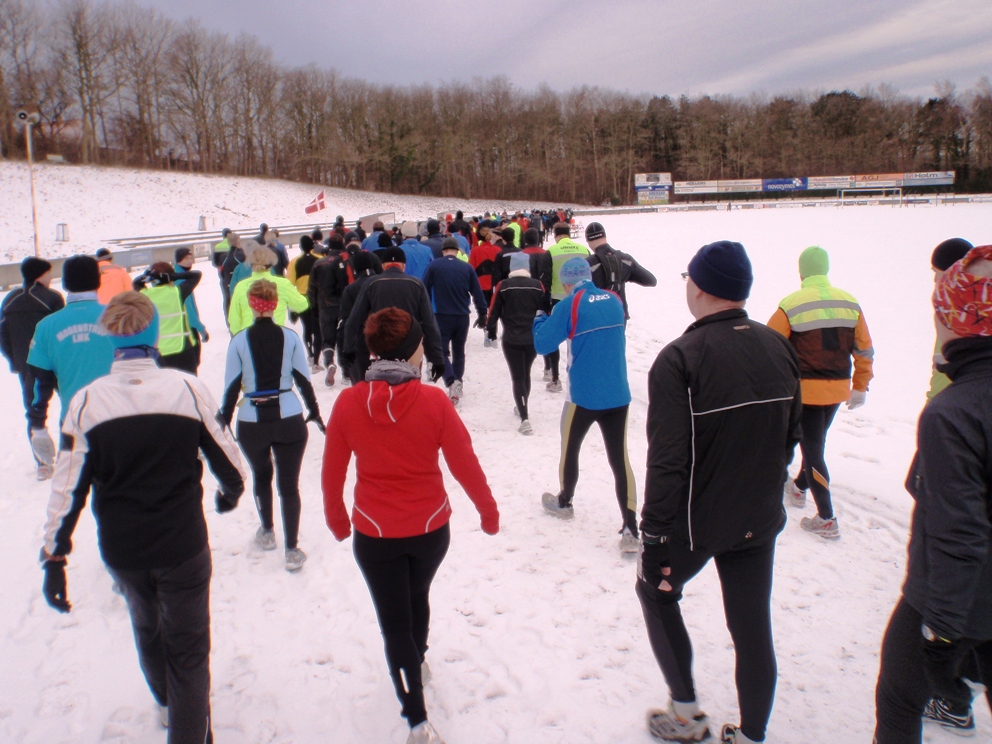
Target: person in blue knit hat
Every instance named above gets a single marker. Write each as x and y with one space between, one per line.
724 410
591 320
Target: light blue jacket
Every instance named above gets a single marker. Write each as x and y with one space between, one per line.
240 363
418 256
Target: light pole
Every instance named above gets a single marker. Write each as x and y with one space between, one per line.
30 118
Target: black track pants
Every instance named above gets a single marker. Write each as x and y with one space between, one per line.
328 332
170 615
519 360
902 690
286 439
814 475
575 424
746 584
310 322
399 572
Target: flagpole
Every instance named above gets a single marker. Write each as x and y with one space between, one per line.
34 198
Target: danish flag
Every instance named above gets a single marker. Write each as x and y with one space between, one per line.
316 205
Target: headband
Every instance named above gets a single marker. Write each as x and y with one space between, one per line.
405 348
262 306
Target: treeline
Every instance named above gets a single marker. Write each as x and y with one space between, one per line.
123 85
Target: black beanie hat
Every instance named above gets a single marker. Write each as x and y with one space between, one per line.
393 254
32 268
306 243
450 244
532 236
594 231
384 240
949 253
81 274
181 253
433 226
723 270
508 235
351 237
362 261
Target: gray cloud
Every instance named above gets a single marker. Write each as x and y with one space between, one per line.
642 46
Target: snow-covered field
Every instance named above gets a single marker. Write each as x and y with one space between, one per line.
100 203
536 633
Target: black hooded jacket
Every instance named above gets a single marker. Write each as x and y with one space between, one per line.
949 576
612 269
22 309
724 410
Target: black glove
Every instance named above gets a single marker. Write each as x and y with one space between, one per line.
205 336
480 322
437 372
941 660
652 559
315 418
225 502
54 588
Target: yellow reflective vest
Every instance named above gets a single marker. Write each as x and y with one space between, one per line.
173 323
561 252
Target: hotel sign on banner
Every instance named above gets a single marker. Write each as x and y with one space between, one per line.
697 187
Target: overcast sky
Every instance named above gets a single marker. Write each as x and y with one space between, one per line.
641 46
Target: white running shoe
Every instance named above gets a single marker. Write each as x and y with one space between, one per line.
547 375
424 733
825 528
329 378
44 472
794 496
525 428
550 503
266 539
664 725
295 559
731 734
628 543
554 386
455 392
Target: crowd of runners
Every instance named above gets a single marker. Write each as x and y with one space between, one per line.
386 315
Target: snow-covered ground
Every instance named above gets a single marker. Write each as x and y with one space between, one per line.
536 633
100 203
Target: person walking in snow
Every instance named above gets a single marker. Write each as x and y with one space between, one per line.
944 617
217 258
516 302
69 349
419 254
452 284
114 279
563 250
299 274
329 278
395 426
365 264
393 288
137 435
590 320
183 265
263 363
945 255
612 269
261 260
724 408
826 326
178 345
20 313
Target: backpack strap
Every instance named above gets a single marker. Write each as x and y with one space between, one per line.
575 312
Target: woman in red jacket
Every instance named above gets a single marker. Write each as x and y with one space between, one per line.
395 426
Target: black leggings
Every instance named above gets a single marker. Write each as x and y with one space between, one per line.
519 359
329 332
746 584
552 361
902 690
575 424
399 572
310 320
287 440
814 475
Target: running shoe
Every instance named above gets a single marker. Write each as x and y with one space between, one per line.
552 506
455 392
295 559
266 539
424 733
825 528
329 378
664 725
940 712
44 472
554 386
628 543
794 495
525 428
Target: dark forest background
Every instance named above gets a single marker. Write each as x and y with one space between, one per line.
121 85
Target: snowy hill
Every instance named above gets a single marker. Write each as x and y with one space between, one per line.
102 203
536 633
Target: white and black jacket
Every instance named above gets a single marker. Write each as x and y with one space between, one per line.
723 420
137 434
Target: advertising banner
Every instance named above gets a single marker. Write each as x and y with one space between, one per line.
929 178
643 179
653 194
739 186
878 181
830 182
697 187
784 184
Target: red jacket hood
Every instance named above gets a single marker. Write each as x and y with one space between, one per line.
387 403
